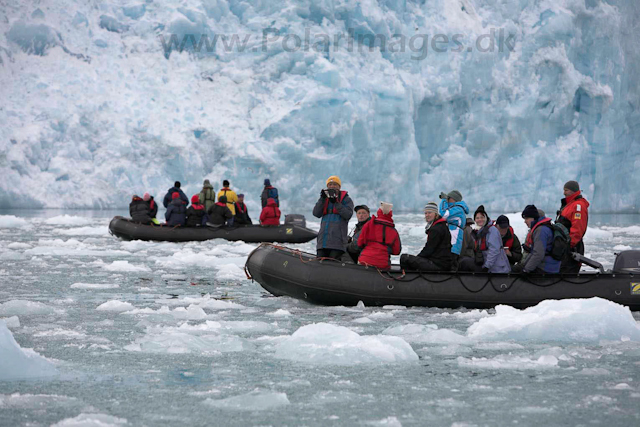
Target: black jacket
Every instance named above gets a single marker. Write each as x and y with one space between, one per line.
438 247
195 217
352 246
264 197
139 211
242 215
153 211
167 197
516 250
176 213
219 214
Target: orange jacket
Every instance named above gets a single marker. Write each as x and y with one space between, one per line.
576 209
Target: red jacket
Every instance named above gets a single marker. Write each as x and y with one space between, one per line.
270 214
380 240
575 209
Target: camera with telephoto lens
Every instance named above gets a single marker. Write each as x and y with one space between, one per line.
331 194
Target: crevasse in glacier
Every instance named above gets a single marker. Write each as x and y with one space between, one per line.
97 103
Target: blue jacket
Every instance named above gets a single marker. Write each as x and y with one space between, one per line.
167 197
176 213
456 216
537 255
334 226
495 258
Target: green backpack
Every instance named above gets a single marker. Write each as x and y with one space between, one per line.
561 241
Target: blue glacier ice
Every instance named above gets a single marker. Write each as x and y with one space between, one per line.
508 100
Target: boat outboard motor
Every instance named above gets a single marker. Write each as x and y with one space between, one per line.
587 261
627 262
295 219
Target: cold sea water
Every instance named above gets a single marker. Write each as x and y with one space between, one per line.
97 331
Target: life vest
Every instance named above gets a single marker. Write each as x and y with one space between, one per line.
240 206
482 244
384 225
343 194
509 242
529 242
198 207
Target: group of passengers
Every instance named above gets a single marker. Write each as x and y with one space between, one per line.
226 208
454 242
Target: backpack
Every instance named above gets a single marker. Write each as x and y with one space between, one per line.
272 193
561 241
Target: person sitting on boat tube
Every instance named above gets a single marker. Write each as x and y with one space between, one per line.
538 244
242 213
510 241
363 214
454 211
379 239
436 254
139 210
335 207
219 213
270 214
153 207
176 214
489 254
196 215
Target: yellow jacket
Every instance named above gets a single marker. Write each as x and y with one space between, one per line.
232 197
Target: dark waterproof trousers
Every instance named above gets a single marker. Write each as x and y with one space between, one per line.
412 262
570 265
329 253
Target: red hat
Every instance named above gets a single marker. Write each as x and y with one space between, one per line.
175 195
195 198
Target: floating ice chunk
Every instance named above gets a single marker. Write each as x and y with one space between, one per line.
91 420
216 304
594 371
622 248
280 313
585 320
510 362
323 343
125 266
19 245
11 322
84 231
385 422
94 286
116 306
69 220
12 221
426 334
172 341
253 401
363 320
230 272
235 326
466 315
622 386
12 256
24 307
380 315
19 363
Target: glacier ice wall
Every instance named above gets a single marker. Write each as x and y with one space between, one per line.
95 107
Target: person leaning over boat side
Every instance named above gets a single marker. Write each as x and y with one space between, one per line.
270 214
207 195
153 207
196 214
335 207
219 214
379 239
489 255
436 254
242 213
510 241
467 240
139 210
573 214
176 213
538 245
269 192
363 215
168 198
454 211
231 197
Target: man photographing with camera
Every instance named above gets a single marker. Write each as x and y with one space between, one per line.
335 208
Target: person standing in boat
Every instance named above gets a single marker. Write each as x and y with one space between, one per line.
269 192
489 254
538 245
454 211
270 214
363 215
139 210
335 208
436 254
207 195
231 198
573 214
153 207
196 214
242 213
379 239
510 241
168 198
176 214
219 214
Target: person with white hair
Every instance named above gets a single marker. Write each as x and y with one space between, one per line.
436 254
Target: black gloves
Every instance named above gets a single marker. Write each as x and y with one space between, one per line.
485 270
517 268
323 193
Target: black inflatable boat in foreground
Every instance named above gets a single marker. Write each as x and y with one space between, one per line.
287 272
126 229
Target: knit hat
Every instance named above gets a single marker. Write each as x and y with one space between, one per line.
431 207
530 212
267 182
146 197
195 198
481 210
225 183
240 195
572 185
365 207
502 221
455 195
176 184
335 179
135 196
386 207
175 195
